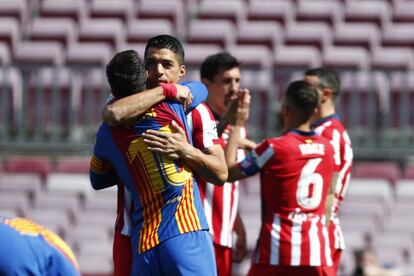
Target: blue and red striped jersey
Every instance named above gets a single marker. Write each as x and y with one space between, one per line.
164 193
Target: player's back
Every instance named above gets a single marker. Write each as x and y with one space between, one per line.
166 201
294 185
27 248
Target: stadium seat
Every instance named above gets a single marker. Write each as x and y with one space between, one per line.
11 91
39 53
402 97
94 218
10 32
378 12
52 200
109 31
404 190
401 224
385 170
255 56
196 53
270 34
316 34
69 183
402 12
398 35
279 11
139 47
39 165
101 202
321 10
5 54
53 96
219 32
361 208
172 10
408 171
63 30
75 164
75 9
397 58
95 91
88 54
297 57
29 184
18 9
343 57
123 10
233 10
366 35
364 99
139 31
379 190
16 201
55 220
365 225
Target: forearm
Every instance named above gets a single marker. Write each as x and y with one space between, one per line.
209 165
230 152
125 110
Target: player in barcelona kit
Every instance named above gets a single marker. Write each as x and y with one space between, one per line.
27 248
328 124
169 229
164 59
296 173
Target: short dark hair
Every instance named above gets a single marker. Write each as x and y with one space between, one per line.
126 74
302 97
328 78
214 64
165 41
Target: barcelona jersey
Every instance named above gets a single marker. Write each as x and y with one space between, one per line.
27 248
165 196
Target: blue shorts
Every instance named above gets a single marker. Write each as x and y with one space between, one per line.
188 254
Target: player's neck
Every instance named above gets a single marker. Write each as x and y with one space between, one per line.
305 127
326 110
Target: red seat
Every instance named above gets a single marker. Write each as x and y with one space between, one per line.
279 11
297 57
256 56
75 9
386 170
219 32
72 165
269 34
39 52
15 8
398 35
233 10
397 58
378 12
109 31
63 30
40 165
344 57
308 34
123 10
366 35
88 53
140 31
321 10
10 31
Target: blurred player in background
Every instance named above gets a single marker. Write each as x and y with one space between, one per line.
27 248
169 234
296 172
164 57
221 74
328 124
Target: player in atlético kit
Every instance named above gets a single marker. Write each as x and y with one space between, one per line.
169 229
27 248
328 124
296 172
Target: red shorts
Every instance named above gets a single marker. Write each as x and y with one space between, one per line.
122 254
223 260
266 270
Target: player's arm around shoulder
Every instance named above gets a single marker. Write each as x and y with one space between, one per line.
126 110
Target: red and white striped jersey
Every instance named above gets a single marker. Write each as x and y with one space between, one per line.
220 202
332 129
296 171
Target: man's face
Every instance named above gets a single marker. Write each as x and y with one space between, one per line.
223 89
162 67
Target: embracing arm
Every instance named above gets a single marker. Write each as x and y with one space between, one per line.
101 173
208 163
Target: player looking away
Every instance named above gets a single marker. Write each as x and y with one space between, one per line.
328 124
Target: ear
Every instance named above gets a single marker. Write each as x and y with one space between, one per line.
206 81
182 72
327 94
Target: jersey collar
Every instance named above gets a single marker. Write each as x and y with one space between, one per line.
323 120
301 133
